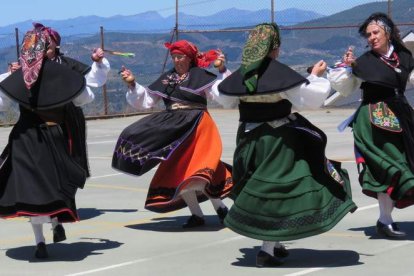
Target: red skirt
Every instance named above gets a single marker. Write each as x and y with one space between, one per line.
197 157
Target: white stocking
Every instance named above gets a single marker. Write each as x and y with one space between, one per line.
55 222
278 245
190 199
268 247
37 226
386 205
217 203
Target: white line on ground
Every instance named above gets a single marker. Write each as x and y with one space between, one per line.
102 142
299 273
100 157
306 271
106 175
156 257
366 207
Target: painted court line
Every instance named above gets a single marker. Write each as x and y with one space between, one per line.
106 175
306 271
299 273
156 257
102 142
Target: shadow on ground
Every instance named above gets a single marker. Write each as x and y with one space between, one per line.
370 231
67 252
304 258
174 224
89 213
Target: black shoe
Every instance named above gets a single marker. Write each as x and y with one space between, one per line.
389 230
280 252
59 233
221 213
264 259
194 221
395 227
41 251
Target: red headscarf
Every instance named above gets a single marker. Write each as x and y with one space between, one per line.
34 47
184 47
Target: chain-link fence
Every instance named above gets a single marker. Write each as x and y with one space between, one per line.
310 30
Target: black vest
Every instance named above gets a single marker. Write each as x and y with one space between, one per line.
189 91
57 85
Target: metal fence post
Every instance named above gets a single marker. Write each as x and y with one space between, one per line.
176 20
104 94
389 8
16 31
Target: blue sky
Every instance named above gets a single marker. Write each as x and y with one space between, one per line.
13 11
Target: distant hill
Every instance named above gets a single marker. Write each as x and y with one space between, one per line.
150 22
300 48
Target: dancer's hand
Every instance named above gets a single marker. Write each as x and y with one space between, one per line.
127 76
220 62
319 68
13 67
97 55
349 56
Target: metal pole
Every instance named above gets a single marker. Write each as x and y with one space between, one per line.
272 8
168 52
176 19
105 98
16 31
389 8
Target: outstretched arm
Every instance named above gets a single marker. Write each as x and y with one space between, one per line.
312 95
137 95
96 77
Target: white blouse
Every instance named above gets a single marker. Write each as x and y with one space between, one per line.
139 97
4 103
304 96
96 77
346 83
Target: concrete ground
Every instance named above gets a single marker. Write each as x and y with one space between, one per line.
117 236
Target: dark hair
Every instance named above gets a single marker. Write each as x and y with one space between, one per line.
391 29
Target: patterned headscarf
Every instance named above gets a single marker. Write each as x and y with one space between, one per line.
262 40
199 59
33 50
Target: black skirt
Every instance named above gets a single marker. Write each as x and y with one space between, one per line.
38 176
145 143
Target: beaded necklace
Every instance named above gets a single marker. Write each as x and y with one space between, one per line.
393 61
174 79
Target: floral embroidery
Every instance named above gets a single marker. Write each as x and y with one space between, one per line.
334 173
174 79
382 116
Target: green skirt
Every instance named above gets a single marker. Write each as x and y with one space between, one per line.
285 188
381 155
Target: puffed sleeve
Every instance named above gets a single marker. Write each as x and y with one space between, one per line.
309 96
4 102
96 77
411 78
2 105
214 94
139 97
98 74
343 81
